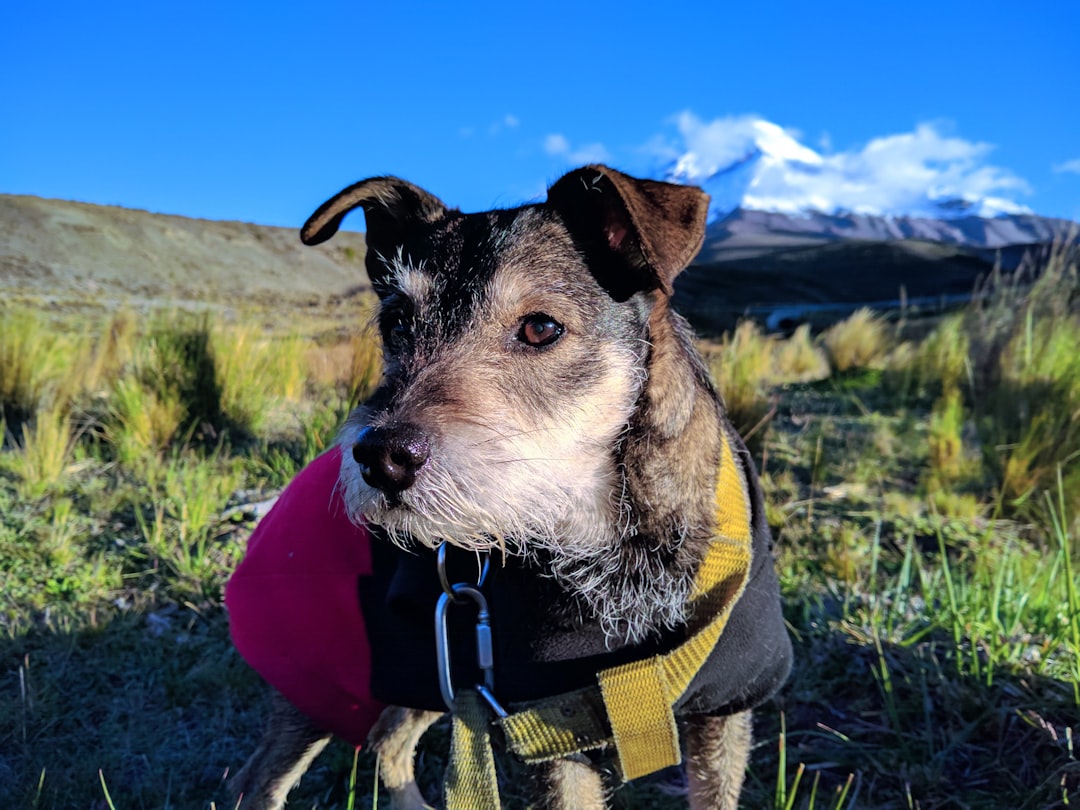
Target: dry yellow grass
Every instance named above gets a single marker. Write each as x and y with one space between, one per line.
45 451
860 341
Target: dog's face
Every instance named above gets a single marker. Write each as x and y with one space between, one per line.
516 348
510 374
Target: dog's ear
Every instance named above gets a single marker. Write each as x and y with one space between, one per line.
391 207
655 228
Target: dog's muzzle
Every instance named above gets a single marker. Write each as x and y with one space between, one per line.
390 457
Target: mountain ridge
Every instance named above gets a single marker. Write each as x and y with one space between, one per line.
774 267
741 226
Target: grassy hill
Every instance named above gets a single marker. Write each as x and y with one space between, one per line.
70 252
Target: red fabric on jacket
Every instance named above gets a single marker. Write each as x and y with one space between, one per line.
294 609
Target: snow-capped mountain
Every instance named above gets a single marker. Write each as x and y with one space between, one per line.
750 163
799 235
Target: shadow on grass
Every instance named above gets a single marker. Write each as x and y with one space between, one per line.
160 703
912 731
164 707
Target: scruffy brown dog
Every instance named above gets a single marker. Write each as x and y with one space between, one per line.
543 403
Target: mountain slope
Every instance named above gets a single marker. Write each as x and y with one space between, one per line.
62 248
786 269
818 283
747 229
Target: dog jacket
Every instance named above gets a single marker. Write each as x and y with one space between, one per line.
293 609
317 600
566 690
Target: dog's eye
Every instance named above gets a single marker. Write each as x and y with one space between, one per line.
539 329
395 327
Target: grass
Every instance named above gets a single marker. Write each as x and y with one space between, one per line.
256 373
747 363
857 342
31 361
46 449
924 494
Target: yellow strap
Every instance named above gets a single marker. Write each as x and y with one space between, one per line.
470 782
639 708
556 727
640 696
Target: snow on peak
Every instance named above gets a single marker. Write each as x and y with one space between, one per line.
748 162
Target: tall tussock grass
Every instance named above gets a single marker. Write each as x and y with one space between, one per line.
365 367
745 363
46 449
938 363
191 378
181 521
1025 381
860 341
141 421
1005 377
144 382
169 387
742 368
101 360
33 362
352 366
949 463
254 372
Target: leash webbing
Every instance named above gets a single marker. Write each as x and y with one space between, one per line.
558 726
634 705
471 782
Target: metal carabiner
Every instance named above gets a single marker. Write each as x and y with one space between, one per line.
444 581
485 657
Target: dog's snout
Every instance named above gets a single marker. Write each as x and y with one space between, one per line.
390 457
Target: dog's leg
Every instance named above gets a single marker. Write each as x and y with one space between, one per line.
394 738
569 784
717 750
285 752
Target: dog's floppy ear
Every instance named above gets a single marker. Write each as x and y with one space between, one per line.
391 207
656 228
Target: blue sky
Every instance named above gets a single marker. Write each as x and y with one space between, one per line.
259 111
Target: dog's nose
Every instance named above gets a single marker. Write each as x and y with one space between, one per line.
390 457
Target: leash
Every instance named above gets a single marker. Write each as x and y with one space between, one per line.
633 704
471 782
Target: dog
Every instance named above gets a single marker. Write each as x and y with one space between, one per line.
543 405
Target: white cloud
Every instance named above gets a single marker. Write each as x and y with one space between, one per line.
747 160
494 129
1070 166
508 121
558 146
